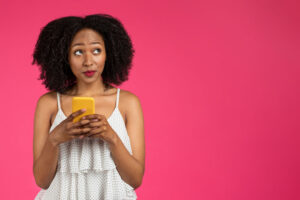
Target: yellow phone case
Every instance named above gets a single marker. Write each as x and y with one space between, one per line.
79 103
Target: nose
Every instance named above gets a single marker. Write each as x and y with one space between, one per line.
87 59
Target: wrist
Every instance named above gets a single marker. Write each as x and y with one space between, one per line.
114 141
52 140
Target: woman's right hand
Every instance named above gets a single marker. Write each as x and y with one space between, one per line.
68 130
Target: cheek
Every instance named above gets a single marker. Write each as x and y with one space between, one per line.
74 67
102 59
74 62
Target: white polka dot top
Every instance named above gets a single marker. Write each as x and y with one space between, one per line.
86 170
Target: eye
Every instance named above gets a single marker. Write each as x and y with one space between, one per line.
97 50
75 52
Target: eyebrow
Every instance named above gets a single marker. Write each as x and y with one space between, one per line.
78 44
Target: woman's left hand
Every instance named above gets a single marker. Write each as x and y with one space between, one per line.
100 128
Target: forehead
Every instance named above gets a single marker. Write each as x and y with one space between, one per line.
87 36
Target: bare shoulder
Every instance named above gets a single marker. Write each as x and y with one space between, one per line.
129 104
129 100
48 98
47 103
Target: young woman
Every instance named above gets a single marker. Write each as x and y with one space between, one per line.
102 156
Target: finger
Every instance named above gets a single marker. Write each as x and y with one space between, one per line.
97 124
79 131
94 116
75 114
80 123
89 124
97 131
82 136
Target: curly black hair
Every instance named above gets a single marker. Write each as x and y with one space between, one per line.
52 47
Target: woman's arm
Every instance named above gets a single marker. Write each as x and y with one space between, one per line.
131 167
45 151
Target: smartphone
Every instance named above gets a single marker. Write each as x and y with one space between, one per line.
79 103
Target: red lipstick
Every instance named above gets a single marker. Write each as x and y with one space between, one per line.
89 73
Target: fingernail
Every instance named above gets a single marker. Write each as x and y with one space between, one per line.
83 109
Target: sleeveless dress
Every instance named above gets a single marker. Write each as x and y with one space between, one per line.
86 170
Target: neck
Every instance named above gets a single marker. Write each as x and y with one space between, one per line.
89 90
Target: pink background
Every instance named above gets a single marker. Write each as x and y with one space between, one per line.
219 86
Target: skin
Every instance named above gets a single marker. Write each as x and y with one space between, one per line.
87 52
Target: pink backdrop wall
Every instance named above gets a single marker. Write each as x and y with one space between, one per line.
219 85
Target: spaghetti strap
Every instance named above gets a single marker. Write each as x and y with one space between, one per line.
58 101
118 94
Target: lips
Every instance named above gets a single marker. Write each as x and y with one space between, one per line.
89 73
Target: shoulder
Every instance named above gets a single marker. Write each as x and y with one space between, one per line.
47 98
47 102
130 104
129 99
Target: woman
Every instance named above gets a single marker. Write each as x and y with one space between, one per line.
102 156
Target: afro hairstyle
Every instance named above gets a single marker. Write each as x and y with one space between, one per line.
52 48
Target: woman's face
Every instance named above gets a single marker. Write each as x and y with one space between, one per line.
87 55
